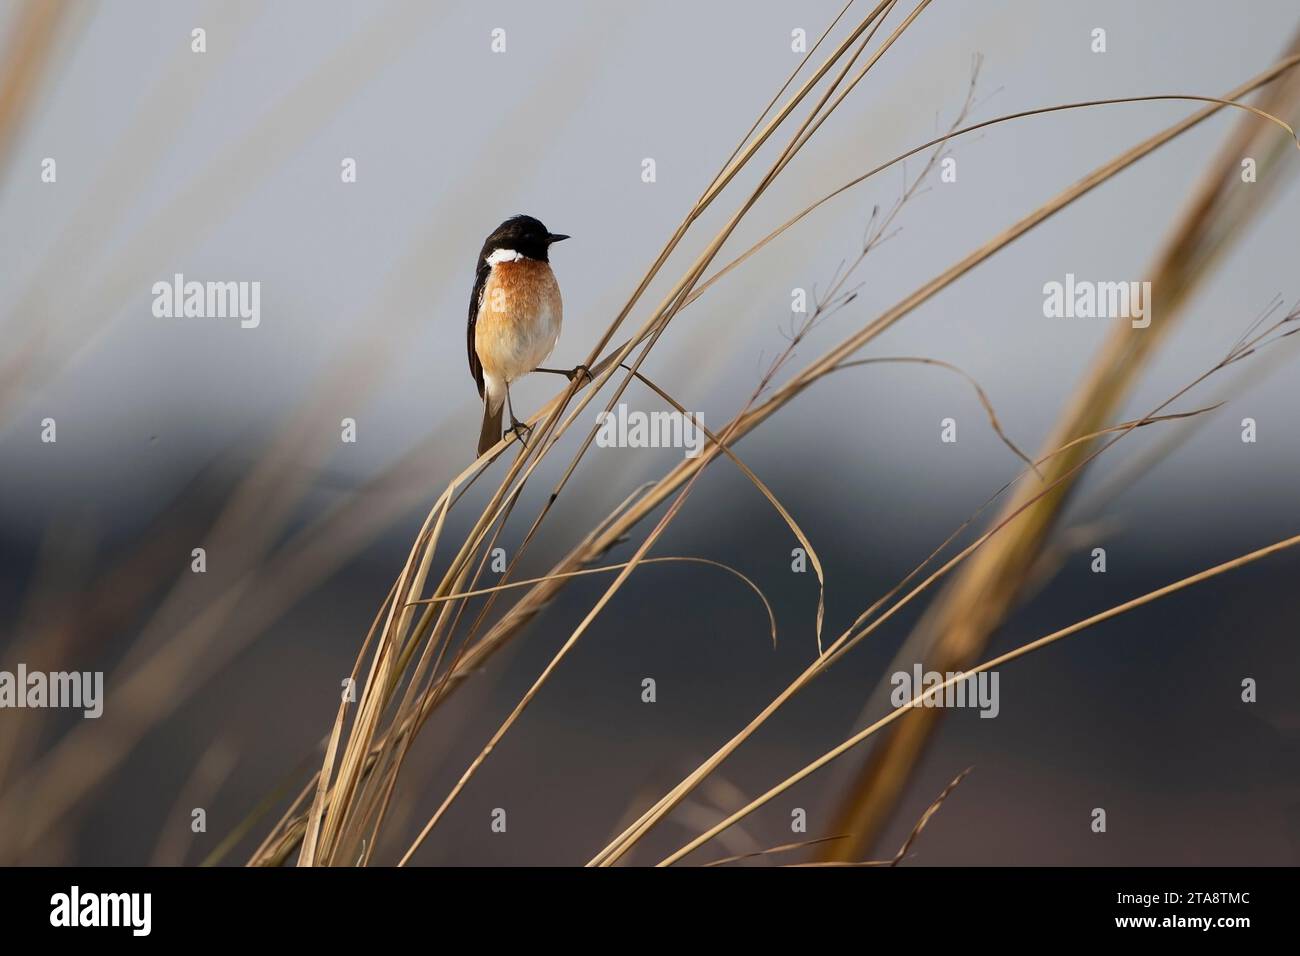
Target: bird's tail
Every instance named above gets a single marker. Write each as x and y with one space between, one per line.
490 434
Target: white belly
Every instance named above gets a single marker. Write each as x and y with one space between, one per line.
526 345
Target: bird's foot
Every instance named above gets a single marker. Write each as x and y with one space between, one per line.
521 431
580 372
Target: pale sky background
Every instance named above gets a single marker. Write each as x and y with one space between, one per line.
226 166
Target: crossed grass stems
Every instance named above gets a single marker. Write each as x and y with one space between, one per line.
412 635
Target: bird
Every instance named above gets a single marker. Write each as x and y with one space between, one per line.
515 313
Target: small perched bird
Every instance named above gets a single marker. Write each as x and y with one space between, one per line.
514 317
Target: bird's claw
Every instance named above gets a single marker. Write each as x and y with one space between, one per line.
521 431
580 372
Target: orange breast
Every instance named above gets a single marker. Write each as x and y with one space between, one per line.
518 318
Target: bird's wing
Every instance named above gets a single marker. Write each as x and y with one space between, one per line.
476 300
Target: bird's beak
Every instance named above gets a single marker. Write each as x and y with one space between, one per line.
555 237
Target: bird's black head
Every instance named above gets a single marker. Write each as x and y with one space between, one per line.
522 234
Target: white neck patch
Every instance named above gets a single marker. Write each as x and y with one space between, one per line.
504 255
